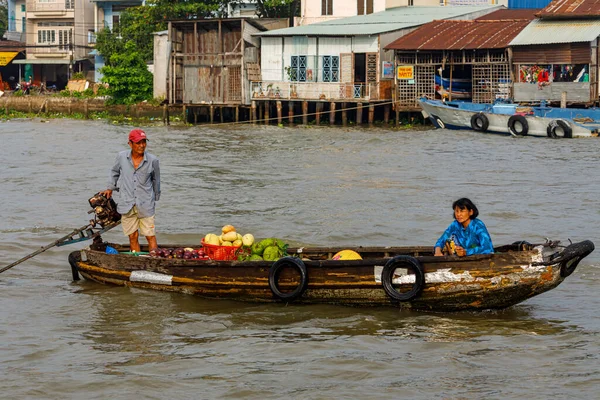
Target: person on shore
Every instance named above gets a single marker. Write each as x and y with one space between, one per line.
136 176
469 233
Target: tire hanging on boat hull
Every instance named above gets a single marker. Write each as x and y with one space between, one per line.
387 276
438 121
275 271
559 129
518 126
479 122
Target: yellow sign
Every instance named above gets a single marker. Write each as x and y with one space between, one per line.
406 72
6 57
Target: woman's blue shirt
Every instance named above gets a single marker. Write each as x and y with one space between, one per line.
475 239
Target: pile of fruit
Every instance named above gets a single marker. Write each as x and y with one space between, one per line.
270 249
229 237
186 253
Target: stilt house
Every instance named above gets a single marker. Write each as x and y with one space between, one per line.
342 60
556 58
457 59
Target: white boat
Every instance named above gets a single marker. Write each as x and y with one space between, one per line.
510 118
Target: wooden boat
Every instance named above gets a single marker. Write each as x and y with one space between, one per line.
510 118
405 277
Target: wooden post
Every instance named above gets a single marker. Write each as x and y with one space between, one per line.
291 113
221 113
371 114
332 113
195 113
359 108
279 116
184 112
386 113
318 107
305 112
253 112
212 114
563 100
397 115
267 107
237 114
344 115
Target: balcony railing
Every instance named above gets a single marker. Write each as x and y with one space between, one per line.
49 49
324 91
65 5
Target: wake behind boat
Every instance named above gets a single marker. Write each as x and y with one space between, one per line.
513 119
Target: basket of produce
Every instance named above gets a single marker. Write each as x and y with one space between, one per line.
219 252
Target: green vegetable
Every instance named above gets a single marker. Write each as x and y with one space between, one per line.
255 257
272 253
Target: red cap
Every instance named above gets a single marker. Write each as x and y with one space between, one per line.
136 135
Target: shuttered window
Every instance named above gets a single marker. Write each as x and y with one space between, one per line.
364 5
331 68
326 7
297 71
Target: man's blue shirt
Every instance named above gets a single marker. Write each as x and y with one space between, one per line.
139 187
475 239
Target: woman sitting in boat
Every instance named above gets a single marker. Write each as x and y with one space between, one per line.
468 233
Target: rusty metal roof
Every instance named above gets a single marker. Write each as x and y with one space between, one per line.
511 14
460 35
571 9
11 45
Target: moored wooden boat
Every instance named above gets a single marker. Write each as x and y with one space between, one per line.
406 277
511 119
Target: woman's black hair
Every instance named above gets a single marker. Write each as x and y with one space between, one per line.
466 203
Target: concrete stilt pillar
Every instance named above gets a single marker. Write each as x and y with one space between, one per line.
305 112
291 113
332 113
279 116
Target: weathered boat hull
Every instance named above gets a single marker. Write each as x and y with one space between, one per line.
499 280
445 115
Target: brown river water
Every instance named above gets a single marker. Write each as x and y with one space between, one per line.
330 186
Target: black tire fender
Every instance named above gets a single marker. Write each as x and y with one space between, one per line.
479 122
513 125
572 255
74 258
388 273
557 126
275 271
438 121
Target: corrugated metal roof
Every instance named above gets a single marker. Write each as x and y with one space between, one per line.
553 31
571 9
11 45
460 35
514 14
385 21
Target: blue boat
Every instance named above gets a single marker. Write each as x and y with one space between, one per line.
513 119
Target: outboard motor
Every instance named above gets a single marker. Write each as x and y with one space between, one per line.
104 209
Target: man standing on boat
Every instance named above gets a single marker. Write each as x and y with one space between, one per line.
136 176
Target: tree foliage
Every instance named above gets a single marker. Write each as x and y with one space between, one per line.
128 78
278 8
3 18
134 36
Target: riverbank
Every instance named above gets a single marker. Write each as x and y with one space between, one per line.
51 107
